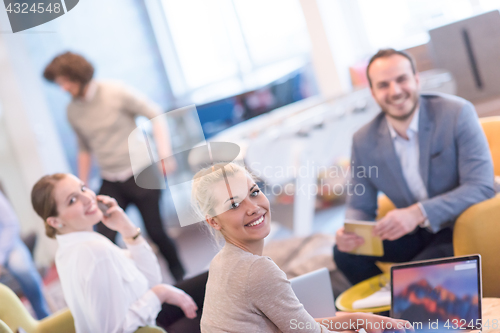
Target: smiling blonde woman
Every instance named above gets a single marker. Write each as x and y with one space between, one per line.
247 292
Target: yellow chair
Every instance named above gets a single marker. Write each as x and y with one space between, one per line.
362 290
385 205
4 328
477 229
491 128
14 315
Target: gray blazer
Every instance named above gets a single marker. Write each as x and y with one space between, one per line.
455 163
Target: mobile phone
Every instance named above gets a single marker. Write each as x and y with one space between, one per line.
103 207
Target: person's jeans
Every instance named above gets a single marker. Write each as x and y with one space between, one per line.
20 264
148 204
420 245
172 319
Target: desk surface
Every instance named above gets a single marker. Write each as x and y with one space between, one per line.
491 312
491 306
361 290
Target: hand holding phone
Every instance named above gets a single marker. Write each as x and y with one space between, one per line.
114 217
104 208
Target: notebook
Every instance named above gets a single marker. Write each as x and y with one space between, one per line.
373 245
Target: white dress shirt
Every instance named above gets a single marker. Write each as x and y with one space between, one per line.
408 153
107 289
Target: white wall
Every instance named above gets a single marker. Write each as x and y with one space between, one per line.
29 145
346 35
338 40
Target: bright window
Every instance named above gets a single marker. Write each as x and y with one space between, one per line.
274 30
404 23
201 41
487 5
220 41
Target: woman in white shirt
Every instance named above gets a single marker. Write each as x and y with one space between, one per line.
247 292
107 289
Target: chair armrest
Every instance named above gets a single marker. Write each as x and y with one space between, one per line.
4 328
62 322
385 205
13 312
59 322
477 231
478 228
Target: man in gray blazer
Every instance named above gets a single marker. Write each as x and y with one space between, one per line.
427 153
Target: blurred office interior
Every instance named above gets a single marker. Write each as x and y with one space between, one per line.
283 79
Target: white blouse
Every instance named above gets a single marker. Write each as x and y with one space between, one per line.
107 288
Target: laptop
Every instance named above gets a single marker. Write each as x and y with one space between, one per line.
438 295
314 291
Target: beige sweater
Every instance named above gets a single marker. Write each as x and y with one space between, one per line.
249 293
103 123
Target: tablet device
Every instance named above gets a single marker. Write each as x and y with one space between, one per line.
373 245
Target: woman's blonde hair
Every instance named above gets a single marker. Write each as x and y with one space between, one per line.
43 201
202 196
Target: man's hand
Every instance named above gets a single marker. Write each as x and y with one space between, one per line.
347 241
365 322
398 223
369 322
175 296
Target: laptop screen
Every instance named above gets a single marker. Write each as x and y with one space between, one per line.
442 294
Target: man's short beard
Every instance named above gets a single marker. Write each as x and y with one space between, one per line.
405 116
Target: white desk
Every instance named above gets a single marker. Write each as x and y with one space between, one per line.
301 137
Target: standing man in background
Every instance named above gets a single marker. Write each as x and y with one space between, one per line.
102 114
16 258
432 160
